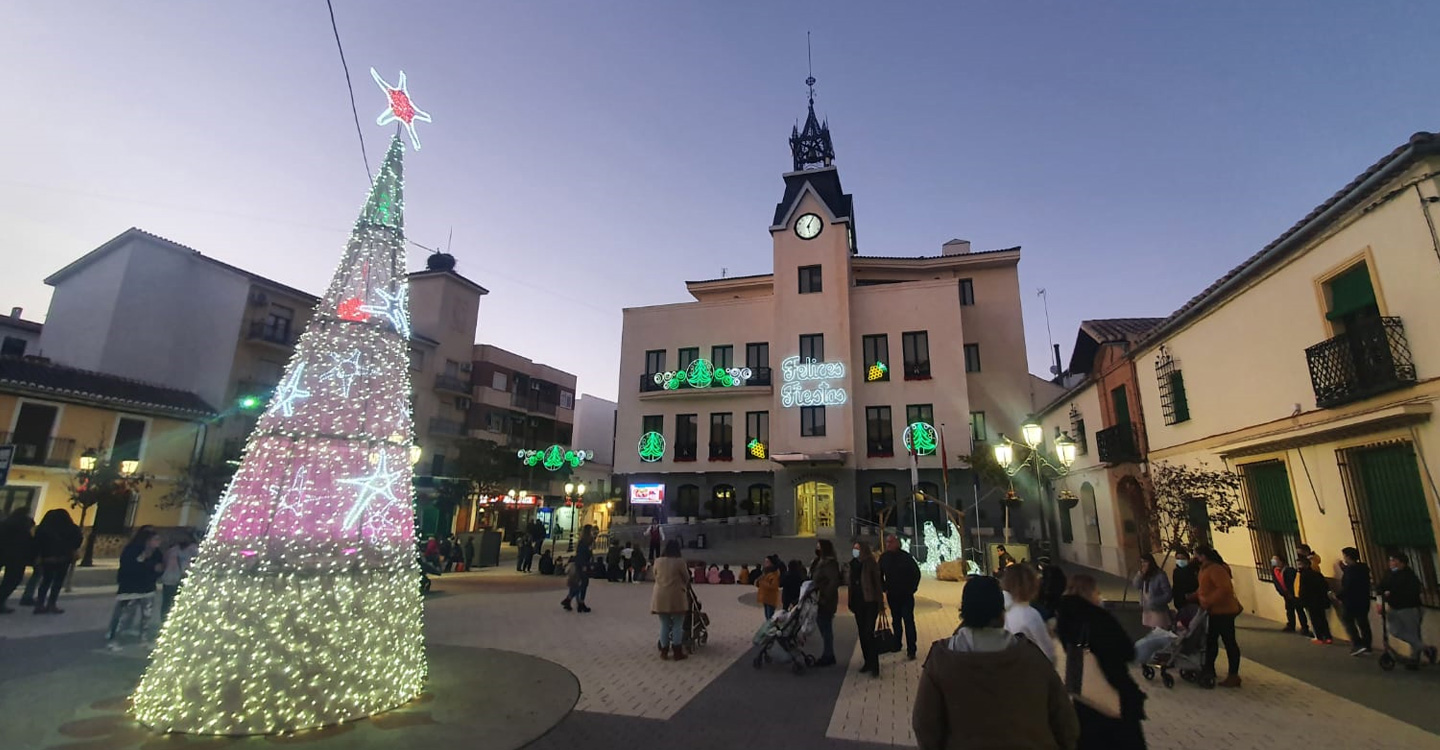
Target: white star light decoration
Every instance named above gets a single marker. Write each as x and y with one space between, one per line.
401 108
379 484
344 370
293 497
395 309
290 391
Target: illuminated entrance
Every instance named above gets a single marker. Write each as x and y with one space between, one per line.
814 508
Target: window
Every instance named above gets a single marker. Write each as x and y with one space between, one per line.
919 413
882 496
972 358
688 355
1274 528
452 368
967 292
757 355
722 501
757 435
417 360
1077 431
812 421
879 434
1172 388
1351 297
916 345
12 347
687 501
687 435
437 465
877 357
760 500
1067 530
500 381
652 423
978 433
567 400
809 279
277 324
722 357
129 440
33 446
1388 510
812 346
722 436
654 361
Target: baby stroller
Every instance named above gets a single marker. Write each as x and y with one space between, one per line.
1186 654
787 629
697 623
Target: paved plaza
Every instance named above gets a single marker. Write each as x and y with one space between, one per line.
511 669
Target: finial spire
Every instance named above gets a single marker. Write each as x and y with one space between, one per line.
811 148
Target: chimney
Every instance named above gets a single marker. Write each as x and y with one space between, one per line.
955 247
15 311
1055 368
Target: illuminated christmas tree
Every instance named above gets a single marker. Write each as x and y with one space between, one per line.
303 608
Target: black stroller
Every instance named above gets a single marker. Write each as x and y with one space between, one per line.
787 629
1186 654
697 623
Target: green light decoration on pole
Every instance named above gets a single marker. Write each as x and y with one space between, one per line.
555 457
921 438
651 447
703 374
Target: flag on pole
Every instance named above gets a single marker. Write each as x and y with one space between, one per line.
944 467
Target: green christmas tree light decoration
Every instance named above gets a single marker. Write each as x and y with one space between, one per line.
703 374
921 438
651 447
555 457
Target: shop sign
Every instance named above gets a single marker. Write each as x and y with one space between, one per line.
809 383
647 494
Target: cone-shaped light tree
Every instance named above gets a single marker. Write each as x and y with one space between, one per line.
303 608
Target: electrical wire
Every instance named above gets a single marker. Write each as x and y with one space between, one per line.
355 111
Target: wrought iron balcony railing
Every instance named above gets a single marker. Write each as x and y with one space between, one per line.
1370 358
452 384
54 452
439 426
1117 445
265 331
759 376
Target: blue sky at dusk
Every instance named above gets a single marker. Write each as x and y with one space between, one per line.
591 156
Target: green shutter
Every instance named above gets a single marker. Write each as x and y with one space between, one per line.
1177 397
1351 292
1395 497
1067 532
1269 486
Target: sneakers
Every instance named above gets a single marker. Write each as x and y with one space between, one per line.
1322 641
910 655
1306 632
1363 650
1288 629
1233 681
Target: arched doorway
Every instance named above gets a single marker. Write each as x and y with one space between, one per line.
759 500
722 501
1135 531
1089 515
814 508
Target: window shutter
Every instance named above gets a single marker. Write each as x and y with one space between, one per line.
1396 498
1269 485
1177 395
1351 292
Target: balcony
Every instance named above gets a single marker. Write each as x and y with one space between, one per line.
530 401
452 384
759 378
266 332
1371 358
1117 445
440 426
53 452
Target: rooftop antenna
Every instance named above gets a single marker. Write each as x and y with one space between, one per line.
809 68
450 238
724 272
1055 363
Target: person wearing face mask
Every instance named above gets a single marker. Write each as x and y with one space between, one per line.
1186 579
1283 577
866 597
825 577
1355 600
1401 591
1216 595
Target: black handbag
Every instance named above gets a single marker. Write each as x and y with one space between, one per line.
887 641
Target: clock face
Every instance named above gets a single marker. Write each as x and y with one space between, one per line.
808 227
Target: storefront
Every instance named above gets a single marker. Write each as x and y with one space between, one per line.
509 515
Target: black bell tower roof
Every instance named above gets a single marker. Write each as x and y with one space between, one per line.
811 148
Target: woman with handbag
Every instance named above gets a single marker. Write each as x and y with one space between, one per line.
1097 657
987 688
866 590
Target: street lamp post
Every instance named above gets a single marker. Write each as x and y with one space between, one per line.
1033 434
574 497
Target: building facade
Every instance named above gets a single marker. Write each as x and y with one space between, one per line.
791 393
444 314
18 336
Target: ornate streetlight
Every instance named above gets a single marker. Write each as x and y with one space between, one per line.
574 496
1033 434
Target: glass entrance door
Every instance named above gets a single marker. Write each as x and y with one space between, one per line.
814 508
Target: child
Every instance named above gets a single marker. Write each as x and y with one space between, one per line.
1158 639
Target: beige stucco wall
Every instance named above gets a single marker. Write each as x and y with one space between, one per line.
447 310
1096 521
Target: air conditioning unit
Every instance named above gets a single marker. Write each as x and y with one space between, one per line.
465 367
259 299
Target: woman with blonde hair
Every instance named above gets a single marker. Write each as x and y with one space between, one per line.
1083 625
1021 585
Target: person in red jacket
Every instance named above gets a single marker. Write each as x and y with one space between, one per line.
1217 597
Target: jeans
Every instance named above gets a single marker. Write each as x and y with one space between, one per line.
52 577
902 612
1152 643
672 629
769 611
1320 622
1357 624
577 592
28 598
826 625
1293 610
126 610
865 614
1405 626
1222 627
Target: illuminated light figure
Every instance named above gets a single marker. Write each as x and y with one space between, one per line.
756 448
395 308
303 608
555 457
921 438
702 374
876 372
938 549
651 447
344 370
401 107
290 391
350 309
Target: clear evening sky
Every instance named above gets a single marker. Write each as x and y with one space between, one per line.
595 155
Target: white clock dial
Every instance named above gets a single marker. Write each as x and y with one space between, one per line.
808 227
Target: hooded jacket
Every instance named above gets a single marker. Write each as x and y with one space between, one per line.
973 699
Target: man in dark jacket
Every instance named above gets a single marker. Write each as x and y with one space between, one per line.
1355 600
17 551
1313 591
902 579
1186 579
1401 590
1283 578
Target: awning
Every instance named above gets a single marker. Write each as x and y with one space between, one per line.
826 457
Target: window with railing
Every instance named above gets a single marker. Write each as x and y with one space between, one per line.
1077 431
757 355
722 437
655 361
812 346
879 433
1371 356
1173 404
687 356
687 436
722 356
1270 510
1385 492
915 347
